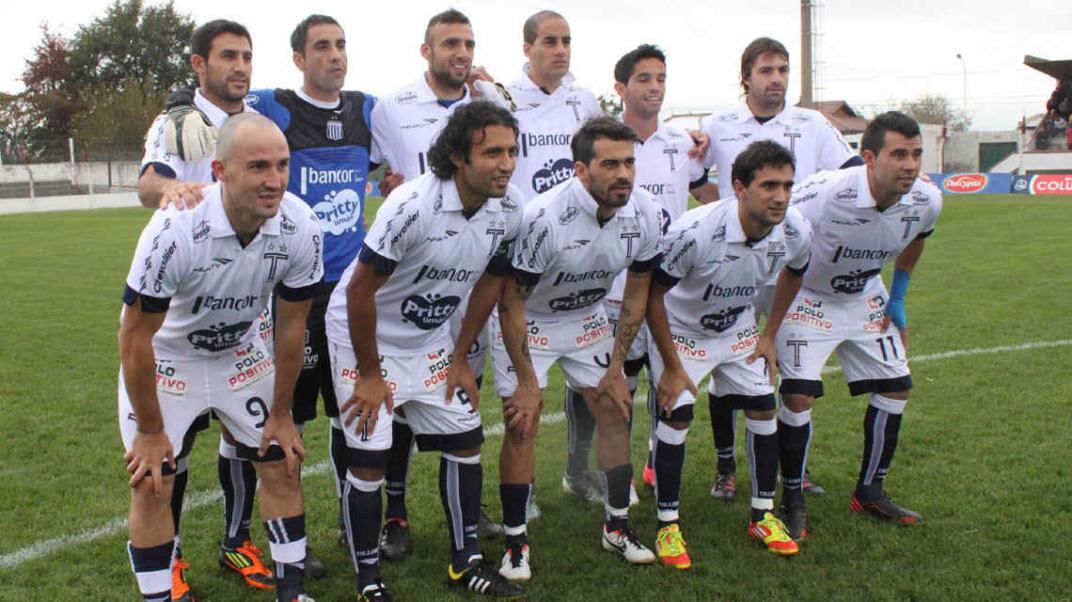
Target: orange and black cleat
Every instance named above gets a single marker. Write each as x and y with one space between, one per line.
180 589
246 561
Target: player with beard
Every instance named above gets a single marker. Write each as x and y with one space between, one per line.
436 238
702 322
862 218
405 123
575 240
815 145
177 165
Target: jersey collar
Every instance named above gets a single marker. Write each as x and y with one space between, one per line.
527 83
735 231
448 192
582 197
215 114
426 94
220 226
782 117
864 200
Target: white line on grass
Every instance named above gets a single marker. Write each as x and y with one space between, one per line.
206 498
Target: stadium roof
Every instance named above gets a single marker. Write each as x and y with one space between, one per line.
1062 70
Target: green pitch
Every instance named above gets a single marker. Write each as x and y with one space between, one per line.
984 452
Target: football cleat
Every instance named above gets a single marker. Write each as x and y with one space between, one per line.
795 518
488 528
180 589
725 486
649 475
886 509
375 592
246 561
772 533
314 567
627 545
302 598
480 577
810 486
671 548
395 543
515 563
585 487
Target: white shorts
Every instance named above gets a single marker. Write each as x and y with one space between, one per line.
419 383
582 348
639 347
815 326
478 351
238 386
725 358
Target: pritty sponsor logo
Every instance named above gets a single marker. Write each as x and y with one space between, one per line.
430 311
218 337
552 174
854 282
578 299
723 320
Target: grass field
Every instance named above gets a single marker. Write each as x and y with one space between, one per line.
985 450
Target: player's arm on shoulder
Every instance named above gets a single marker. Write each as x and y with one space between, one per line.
156 189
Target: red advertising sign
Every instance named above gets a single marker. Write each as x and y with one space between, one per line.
965 183
1051 184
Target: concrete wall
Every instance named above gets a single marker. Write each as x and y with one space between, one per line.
962 148
124 173
66 203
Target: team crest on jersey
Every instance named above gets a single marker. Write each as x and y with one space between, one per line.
431 311
790 232
670 153
334 130
719 235
920 198
288 226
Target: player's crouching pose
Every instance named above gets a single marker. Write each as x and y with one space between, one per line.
861 217
434 239
574 240
198 281
702 321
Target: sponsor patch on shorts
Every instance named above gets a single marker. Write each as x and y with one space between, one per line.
168 380
809 313
251 363
594 328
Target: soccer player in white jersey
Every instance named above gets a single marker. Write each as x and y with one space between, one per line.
574 241
665 170
861 217
702 322
405 123
198 282
550 105
435 239
175 174
815 144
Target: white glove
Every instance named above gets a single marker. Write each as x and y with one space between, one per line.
496 93
189 134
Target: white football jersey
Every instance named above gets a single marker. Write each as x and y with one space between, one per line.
217 288
547 123
815 144
405 123
577 258
718 271
665 170
438 254
851 238
185 171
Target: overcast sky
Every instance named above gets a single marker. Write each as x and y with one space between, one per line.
875 54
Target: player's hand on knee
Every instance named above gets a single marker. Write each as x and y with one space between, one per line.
184 195
364 404
700 142
281 429
522 409
672 383
147 454
765 348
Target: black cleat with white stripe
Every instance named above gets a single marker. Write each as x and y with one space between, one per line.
481 577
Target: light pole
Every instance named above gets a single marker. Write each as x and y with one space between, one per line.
964 68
